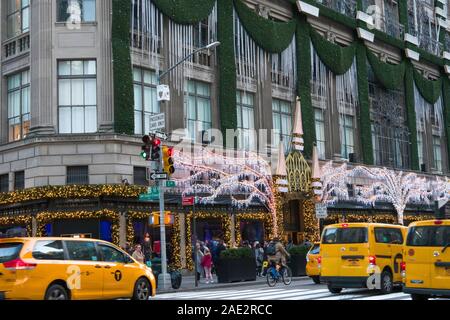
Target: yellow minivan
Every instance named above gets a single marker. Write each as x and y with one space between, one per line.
426 266
362 255
70 269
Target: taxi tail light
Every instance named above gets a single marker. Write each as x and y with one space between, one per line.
372 260
403 269
319 260
19 264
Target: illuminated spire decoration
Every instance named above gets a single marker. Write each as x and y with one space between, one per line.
297 140
281 173
316 176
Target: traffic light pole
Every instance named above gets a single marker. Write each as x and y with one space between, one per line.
164 276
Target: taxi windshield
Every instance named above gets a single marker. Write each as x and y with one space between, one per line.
429 236
345 235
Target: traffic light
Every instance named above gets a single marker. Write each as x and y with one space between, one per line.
168 160
156 148
146 148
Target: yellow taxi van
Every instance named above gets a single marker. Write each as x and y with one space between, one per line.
313 260
426 266
70 269
362 255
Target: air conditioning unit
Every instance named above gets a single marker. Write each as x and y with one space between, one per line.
352 158
423 167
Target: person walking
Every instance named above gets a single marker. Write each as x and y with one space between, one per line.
207 265
198 259
259 257
138 255
147 248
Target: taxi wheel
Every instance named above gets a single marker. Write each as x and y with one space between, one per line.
316 279
333 289
142 290
387 285
56 292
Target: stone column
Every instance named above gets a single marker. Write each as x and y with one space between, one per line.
42 71
122 229
104 69
33 227
233 229
183 240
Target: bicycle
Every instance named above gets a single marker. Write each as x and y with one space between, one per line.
274 275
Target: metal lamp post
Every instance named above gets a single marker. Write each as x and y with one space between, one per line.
164 276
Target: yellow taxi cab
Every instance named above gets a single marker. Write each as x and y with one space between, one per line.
362 255
426 266
70 269
313 260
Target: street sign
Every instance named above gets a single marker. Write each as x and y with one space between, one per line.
321 211
161 135
157 122
148 197
159 176
170 184
188 201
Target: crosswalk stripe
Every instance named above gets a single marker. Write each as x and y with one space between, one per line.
265 296
387 296
220 294
296 296
195 293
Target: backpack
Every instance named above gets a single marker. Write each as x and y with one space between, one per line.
271 249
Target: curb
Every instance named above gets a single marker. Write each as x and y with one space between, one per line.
225 285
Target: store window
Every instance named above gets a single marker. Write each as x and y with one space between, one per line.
19 180
78 175
18 105
197 108
145 101
17 17
76 10
77 96
282 122
4 183
246 120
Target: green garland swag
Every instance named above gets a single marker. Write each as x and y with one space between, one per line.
338 59
227 66
403 14
122 68
411 115
274 37
430 90
185 11
390 76
446 87
364 114
304 84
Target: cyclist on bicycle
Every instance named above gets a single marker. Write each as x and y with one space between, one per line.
276 253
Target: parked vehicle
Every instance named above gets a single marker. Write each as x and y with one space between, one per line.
68 268
426 266
362 255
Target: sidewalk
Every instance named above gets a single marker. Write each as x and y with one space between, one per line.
188 284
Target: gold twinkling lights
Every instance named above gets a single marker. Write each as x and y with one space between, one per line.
19 221
46 217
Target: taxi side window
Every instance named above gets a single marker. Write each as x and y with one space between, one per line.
81 251
388 235
109 254
48 250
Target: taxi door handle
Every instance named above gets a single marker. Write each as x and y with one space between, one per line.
107 267
98 266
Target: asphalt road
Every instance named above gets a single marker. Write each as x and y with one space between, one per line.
304 289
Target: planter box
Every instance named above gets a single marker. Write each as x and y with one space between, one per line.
298 265
236 270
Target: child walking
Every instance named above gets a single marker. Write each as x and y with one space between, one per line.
207 265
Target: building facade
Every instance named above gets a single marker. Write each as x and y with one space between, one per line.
79 86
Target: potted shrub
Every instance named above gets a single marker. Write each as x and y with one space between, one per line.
297 262
236 265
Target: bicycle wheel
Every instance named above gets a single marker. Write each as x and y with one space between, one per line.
271 281
286 274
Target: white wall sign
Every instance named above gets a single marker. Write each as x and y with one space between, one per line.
163 92
321 211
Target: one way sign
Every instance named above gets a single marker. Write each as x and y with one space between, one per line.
158 176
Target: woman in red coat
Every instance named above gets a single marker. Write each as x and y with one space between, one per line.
207 265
